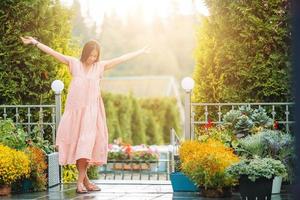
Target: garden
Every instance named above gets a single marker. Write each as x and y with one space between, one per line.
241 54
24 159
246 154
121 157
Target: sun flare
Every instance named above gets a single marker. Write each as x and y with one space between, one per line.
96 9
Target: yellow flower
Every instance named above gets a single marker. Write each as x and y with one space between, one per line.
205 162
14 165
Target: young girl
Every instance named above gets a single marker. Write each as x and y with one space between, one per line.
82 132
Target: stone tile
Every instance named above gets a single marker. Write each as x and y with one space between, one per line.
124 190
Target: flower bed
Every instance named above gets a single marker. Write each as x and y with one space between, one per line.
127 157
33 148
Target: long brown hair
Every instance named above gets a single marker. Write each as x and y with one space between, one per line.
88 48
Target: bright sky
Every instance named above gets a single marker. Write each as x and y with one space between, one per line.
150 8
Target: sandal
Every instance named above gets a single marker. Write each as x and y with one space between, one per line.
92 187
82 190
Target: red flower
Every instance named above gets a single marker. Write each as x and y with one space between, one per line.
128 149
209 124
276 124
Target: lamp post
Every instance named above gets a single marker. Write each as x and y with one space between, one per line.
57 86
187 84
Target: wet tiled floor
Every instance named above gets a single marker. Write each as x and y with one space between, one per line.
125 190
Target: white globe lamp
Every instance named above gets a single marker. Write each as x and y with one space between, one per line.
57 86
187 84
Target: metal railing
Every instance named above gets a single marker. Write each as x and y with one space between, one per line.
136 170
175 142
280 112
29 116
140 170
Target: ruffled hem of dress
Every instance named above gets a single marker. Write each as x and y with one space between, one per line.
90 163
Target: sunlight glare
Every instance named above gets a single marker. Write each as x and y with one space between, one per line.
95 9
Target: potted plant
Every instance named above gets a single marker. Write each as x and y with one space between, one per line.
180 182
16 138
246 121
256 176
53 169
204 162
273 144
14 165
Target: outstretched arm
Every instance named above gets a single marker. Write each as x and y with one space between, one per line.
115 61
60 57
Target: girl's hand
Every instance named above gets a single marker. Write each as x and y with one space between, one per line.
29 40
145 50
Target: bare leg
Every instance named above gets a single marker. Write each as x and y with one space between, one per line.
81 165
89 185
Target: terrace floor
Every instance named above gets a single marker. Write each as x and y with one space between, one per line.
126 190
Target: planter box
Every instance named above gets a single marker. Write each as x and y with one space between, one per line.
53 169
131 166
260 189
181 183
276 187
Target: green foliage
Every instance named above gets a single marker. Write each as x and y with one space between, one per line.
16 138
260 118
243 125
251 146
117 155
171 121
124 105
12 136
92 172
269 143
112 119
243 52
231 118
280 146
36 139
139 121
137 124
26 72
153 135
245 121
70 173
145 156
258 167
219 133
163 107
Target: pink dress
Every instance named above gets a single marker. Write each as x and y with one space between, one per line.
82 131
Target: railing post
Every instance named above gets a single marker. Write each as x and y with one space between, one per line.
187 113
57 113
172 142
57 86
187 84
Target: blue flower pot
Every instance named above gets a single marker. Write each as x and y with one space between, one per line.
181 183
22 186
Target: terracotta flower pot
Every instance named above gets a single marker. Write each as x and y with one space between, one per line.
5 190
